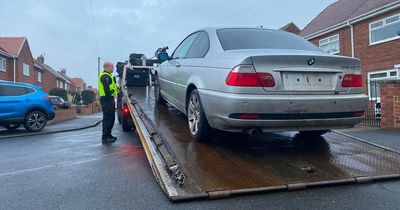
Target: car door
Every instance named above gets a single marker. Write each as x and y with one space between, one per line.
191 64
169 71
13 101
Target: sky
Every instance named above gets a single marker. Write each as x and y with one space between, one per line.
71 34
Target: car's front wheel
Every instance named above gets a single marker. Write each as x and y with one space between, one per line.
157 91
35 121
314 133
198 125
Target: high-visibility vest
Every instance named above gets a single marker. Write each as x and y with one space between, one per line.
113 85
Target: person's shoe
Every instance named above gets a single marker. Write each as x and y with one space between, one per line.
107 140
113 137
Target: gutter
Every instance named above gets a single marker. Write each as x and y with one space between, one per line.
354 20
351 38
15 58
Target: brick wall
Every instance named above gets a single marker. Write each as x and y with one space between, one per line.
90 109
8 75
390 104
64 114
25 56
344 40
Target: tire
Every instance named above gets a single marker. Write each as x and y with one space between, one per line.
197 121
315 133
12 127
126 127
35 121
157 92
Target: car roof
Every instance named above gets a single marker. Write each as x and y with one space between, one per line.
20 84
218 28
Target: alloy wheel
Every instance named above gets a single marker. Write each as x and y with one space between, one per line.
194 114
36 121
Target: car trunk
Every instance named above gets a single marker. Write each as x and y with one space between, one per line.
310 73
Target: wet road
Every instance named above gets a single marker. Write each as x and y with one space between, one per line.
74 171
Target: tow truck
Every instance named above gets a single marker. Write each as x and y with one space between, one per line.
238 164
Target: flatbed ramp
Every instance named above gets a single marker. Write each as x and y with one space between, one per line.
235 164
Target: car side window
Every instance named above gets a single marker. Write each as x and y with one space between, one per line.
9 90
183 49
200 46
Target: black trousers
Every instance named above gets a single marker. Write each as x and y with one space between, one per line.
108 107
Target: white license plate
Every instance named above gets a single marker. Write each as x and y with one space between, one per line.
308 81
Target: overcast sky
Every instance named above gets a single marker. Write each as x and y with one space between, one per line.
73 33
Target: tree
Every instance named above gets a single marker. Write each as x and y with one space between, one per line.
59 92
88 97
77 98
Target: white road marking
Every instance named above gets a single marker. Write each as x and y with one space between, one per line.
60 164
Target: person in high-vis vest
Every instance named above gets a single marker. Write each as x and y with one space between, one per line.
107 91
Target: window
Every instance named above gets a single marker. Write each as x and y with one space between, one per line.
182 50
25 69
245 38
330 45
10 90
39 76
200 46
2 64
384 30
374 79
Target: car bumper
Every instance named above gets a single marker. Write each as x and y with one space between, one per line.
282 112
51 115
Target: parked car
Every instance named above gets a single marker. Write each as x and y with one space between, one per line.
58 102
253 80
24 104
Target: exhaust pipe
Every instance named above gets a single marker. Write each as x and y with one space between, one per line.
253 131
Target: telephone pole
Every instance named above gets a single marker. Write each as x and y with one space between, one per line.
98 66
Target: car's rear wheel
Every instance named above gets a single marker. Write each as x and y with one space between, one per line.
314 133
198 125
12 127
35 121
157 91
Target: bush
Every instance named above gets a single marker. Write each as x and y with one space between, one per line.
59 92
76 97
88 97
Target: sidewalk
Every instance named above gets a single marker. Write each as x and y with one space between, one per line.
81 122
383 137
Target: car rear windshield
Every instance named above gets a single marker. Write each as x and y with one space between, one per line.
236 39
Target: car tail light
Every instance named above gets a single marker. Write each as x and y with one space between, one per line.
246 76
47 98
359 114
352 80
125 110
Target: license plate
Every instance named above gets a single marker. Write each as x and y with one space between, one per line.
308 81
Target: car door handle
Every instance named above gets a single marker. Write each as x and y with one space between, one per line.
177 64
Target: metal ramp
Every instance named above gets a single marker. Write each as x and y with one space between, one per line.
235 164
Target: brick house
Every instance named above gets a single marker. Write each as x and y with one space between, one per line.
16 62
364 29
78 84
50 77
292 28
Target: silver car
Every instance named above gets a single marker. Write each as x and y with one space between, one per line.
253 80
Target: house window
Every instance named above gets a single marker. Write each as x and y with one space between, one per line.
384 30
25 69
330 44
2 64
39 76
374 79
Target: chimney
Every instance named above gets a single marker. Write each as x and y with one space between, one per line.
40 59
90 87
63 72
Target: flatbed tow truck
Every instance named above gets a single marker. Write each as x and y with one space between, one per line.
238 164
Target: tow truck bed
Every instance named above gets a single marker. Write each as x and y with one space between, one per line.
236 164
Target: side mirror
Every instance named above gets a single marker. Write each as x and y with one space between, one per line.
162 56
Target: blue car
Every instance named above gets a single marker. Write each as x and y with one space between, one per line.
24 104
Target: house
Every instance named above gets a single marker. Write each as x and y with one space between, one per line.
16 62
292 28
78 84
50 77
364 29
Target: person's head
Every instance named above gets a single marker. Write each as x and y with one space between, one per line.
108 66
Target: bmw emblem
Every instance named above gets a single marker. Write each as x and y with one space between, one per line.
311 61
